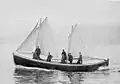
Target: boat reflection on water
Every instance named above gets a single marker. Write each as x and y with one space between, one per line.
76 78
39 76
44 76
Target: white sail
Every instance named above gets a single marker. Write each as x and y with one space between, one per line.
29 42
46 39
75 43
70 39
40 36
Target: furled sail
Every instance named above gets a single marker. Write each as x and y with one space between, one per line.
40 36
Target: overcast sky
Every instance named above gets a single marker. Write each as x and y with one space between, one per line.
18 17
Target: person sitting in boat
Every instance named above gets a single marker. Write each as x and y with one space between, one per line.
38 51
70 58
49 57
64 57
79 59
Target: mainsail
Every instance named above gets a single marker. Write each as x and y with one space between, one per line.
40 36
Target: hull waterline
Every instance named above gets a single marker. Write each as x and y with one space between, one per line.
18 60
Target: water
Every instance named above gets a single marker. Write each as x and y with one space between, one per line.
9 73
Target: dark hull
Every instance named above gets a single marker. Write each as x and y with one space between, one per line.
18 60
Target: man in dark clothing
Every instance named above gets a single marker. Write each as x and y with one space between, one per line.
49 57
70 58
35 56
64 57
79 59
64 53
38 51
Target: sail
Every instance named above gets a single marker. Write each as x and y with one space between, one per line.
46 40
70 39
89 39
29 43
75 42
40 36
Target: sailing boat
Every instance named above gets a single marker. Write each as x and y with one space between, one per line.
40 36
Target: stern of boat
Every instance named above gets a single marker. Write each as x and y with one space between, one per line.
106 62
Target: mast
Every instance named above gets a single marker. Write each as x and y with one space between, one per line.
69 40
37 36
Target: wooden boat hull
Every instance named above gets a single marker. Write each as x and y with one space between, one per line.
18 60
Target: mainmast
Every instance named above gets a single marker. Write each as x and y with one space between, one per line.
38 33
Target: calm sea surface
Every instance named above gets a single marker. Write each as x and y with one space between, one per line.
9 74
